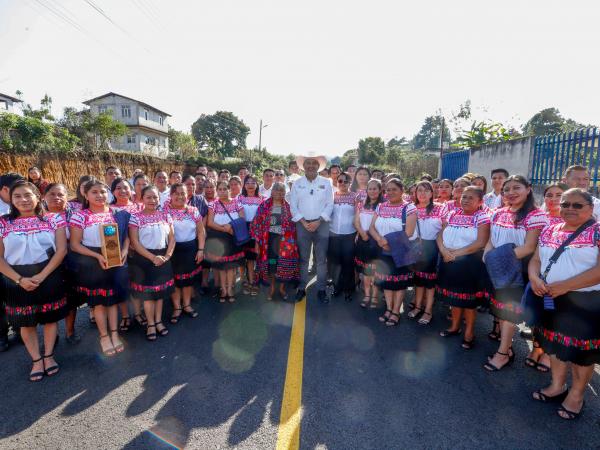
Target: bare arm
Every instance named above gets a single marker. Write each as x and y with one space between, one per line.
211 223
383 243
531 240
364 234
535 267
78 247
57 258
134 237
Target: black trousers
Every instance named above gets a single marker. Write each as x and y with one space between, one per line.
340 256
3 321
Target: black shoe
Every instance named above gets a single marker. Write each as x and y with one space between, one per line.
3 344
348 296
74 339
300 294
322 296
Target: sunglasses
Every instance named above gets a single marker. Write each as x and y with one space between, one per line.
279 175
343 181
568 205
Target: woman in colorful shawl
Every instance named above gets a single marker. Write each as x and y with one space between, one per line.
276 245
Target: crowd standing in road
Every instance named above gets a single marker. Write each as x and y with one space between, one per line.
450 240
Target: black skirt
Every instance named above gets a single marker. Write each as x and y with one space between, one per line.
149 282
365 253
571 331
46 304
461 283
185 269
74 300
96 286
389 277
505 303
426 269
249 250
221 251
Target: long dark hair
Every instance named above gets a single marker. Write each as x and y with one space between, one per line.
250 177
39 208
482 178
86 188
79 198
529 204
354 186
427 185
113 188
367 204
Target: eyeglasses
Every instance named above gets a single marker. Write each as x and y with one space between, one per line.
568 205
343 181
279 175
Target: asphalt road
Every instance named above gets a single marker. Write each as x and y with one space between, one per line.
217 382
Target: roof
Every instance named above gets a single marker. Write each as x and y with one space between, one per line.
10 97
87 102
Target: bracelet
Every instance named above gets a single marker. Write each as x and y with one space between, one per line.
18 281
200 249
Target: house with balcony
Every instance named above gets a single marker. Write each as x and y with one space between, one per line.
147 126
7 104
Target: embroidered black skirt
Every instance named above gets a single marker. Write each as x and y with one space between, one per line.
571 331
74 300
221 251
505 303
365 253
46 304
96 286
461 283
249 249
150 282
389 277
185 269
426 269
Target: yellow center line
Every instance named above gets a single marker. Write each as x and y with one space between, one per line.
288 435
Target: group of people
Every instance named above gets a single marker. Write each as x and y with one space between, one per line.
451 240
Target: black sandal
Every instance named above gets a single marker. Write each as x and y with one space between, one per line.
119 348
366 301
36 377
125 324
176 318
142 321
162 332
192 313
150 336
571 415
495 335
222 296
468 345
492 368
392 323
52 370
539 396
384 317
448 333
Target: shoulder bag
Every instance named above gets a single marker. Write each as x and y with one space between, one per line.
240 228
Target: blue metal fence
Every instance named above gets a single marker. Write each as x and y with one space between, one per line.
455 164
552 154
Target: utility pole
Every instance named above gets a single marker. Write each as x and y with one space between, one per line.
259 142
442 147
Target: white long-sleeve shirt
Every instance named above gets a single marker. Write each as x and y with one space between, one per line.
311 200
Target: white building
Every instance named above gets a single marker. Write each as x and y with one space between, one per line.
148 126
7 104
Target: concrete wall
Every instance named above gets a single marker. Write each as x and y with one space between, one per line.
514 156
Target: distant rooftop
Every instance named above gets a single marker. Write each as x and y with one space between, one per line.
14 99
87 102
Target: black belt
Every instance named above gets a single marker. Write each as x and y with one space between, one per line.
312 220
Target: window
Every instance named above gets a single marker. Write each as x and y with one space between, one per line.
102 109
131 139
160 120
125 111
4 104
150 140
146 114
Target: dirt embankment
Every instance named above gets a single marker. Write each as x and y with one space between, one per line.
67 169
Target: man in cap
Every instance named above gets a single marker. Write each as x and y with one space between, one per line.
311 204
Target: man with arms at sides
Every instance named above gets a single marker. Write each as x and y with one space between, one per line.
493 199
268 179
161 182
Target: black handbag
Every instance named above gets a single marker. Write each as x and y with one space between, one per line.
416 244
241 235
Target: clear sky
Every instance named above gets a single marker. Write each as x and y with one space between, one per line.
321 74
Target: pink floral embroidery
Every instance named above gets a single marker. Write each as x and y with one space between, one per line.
553 236
388 211
505 218
31 225
141 220
187 213
159 287
436 213
460 295
220 259
187 276
568 341
345 199
510 307
86 218
30 310
394 278
95 292
426 275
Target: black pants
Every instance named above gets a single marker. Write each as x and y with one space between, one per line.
3 321
341 261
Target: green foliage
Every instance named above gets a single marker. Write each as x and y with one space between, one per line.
549 121
33 134
371 150
221 133
484 133
429 134
182 144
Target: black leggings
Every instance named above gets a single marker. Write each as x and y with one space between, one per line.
341 261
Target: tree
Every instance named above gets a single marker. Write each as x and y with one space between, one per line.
429 134
182 144
104 128
549 121
222 132
43 113
484 133
370 150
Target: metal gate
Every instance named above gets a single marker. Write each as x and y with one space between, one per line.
455 164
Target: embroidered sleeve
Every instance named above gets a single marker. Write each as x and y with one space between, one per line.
57 221
134 221
411 209
195 214
535 220
482 218
77 220
212 206
168 219
2 228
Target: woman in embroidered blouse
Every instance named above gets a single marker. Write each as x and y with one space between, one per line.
188 253
225 257
77 202
552 195
457 188
250 200
193 199
139 183
462 277
274 234
365 250
360 182
121 190
570 332
388 219
342 234
429 216
95 283
32 248
518 225
210 192
56 203
235 186
34 175
150 271
444 191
